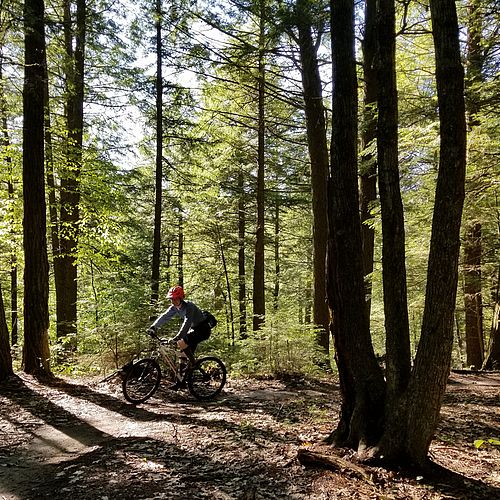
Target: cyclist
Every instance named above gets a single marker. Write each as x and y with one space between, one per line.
194 328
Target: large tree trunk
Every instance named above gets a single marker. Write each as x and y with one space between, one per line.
415 419
410 422
36 357
259 302
70 181
318 154
155 271
368 166
5 356
361 380
398 357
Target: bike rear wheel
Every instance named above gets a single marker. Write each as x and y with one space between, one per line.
207 378
141 381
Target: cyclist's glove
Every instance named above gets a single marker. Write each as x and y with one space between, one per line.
172 341
151 331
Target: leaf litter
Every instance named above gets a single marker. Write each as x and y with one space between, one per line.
78 438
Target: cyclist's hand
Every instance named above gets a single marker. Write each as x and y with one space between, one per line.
151 331
172 341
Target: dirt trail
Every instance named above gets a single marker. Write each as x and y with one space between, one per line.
79 439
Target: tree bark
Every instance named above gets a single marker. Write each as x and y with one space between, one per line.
5 356
368 166
57 263
398 357
259 302
228 285
5 144
242 299
36 357
492 360
180 253
155 271
474 341
320 459
361 380
473 303
70 181
432 363
277 268
13 277
318 154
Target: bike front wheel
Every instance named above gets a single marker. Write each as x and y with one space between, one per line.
141 381
207 378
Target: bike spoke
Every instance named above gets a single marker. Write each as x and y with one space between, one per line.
142 381
207 378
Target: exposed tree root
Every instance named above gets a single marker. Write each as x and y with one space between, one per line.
329 460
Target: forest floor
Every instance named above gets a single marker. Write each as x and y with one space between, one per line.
79 439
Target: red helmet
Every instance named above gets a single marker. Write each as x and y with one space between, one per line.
176 292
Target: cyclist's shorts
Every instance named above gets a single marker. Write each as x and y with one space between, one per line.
198 334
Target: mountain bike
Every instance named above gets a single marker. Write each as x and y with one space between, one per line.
204 377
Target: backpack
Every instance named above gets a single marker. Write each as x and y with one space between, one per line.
210 319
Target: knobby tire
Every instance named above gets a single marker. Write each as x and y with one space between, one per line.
141 381
207 378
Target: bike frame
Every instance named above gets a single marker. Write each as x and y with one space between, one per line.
165 353
205 377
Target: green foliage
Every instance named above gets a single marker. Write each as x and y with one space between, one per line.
283 347
209 147
478 443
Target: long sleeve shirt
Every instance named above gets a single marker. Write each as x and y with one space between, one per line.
189 312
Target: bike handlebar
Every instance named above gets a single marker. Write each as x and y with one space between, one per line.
161 340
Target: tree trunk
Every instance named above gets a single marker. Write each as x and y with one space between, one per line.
242 299
180 253
409 424
475 60
5 144
318 154
13 279
361 380
168 259
474 333
36 357
306 299
228 285
474 342
398 357
57 263
368 167
155 271
259 303
277 269
492 360
70 181
416 418
5 356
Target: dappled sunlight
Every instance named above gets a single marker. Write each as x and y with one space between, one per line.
76 438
